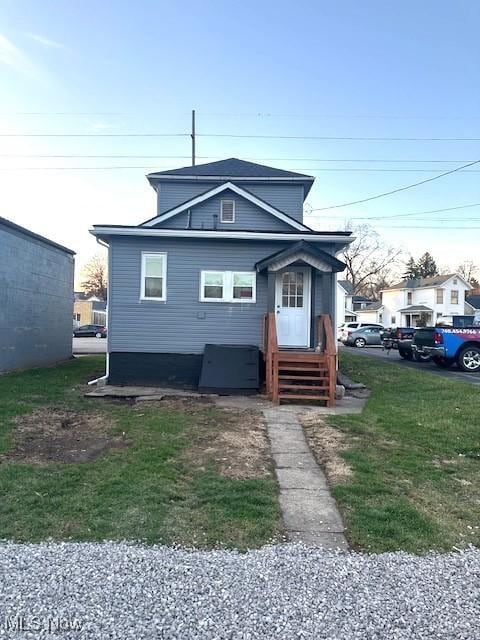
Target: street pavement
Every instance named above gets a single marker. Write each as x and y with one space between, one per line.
84 346
392 356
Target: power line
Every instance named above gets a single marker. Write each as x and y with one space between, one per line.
186 157
389 193
234 135
94 135
348 138
405 215
311 170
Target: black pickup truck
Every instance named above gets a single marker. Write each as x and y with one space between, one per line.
401 338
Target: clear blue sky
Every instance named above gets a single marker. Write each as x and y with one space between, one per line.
345 69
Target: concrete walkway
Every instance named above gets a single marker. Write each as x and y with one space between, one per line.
309 512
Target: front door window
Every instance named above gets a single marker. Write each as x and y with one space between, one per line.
292 289
292 308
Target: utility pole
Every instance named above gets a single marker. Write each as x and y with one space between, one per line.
192 135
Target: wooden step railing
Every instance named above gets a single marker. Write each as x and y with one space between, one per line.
292 374
270 346
326 344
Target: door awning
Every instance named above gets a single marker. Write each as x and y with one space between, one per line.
416 308
302 252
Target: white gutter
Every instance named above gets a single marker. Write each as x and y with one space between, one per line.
150 232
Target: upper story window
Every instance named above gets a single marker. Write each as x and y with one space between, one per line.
228 286
454 296
409 297
439 296
227 211
154 276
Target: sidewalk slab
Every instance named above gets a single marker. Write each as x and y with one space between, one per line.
310 510
301 478
295 460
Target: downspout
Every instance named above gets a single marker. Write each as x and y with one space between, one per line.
107 358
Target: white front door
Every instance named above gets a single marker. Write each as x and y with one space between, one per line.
292 307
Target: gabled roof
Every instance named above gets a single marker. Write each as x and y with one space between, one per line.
473 301
361 299
219 189
373 306
30 234
301 251
421 283
231 169
347 285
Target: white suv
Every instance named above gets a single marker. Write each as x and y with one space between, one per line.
346 328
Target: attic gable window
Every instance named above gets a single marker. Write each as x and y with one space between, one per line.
154 276
227 211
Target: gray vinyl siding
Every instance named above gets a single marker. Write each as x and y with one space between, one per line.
287 198
247 216
183 324
171 194
36 301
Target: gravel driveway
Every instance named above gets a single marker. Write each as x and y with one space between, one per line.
280 592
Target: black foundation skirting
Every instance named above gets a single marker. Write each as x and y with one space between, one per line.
150 369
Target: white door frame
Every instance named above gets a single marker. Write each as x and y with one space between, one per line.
307 299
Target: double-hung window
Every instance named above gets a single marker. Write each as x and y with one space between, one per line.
228 286
454 296
227 211
154 276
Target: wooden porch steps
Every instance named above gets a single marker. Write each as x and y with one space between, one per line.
308 375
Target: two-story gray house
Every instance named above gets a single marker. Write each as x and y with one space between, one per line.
226 247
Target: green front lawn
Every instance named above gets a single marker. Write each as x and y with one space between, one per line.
151 489
415 457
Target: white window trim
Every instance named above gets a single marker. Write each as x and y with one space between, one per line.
228 287
202 286
149 254
233 211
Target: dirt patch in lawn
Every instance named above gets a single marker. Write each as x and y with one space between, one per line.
233 440
326 444
58 435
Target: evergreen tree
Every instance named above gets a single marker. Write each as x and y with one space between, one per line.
411 269
427 266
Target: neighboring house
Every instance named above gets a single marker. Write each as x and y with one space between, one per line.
423 301
361 302
36 285
227 246
472 304
88 310
372 312
345 297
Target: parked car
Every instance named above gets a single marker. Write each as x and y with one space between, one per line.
450 345
367 336
347 328
401 338
90 331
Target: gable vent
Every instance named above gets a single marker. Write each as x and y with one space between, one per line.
227 211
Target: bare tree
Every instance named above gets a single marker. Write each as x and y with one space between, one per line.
370 261
470 272
95 277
